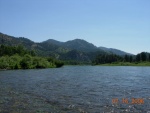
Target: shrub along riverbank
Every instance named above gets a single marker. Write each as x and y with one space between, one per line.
28 62
17 57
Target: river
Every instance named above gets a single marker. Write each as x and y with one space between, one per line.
76 89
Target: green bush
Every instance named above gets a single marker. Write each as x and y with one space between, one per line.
4 64
59 63
14 62
26 62
40 62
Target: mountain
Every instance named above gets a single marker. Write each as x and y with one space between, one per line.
80 45
52 41
12 41
114 51
77 49
77 44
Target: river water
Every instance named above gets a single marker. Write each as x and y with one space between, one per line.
76 89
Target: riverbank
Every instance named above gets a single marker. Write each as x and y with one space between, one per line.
126 64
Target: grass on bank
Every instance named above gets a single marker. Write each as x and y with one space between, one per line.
126 64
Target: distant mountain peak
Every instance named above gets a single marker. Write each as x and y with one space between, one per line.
78 39
81 45
52 41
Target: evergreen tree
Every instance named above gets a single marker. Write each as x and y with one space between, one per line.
131 58
127 58
143 56
138 57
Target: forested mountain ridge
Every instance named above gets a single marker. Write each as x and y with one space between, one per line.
115 51
82 45
77 49
77 44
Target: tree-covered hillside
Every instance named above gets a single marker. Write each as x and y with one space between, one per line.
47 48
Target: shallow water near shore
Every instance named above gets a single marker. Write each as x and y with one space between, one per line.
75 89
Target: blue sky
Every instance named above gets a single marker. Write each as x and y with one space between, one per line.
121 24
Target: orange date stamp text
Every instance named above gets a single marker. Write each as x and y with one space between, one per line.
128 101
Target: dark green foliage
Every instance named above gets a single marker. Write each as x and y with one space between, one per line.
39 62
74 62
16 57
75 56
50 59
32 53
11 50
4 62
27 62
111 58
126 58
131 58
144 56
12 62
138 57
71 62
59 63
107 58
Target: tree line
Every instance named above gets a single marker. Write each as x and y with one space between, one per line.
17 57
110 58
11 50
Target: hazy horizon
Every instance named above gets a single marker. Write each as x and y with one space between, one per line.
122 25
